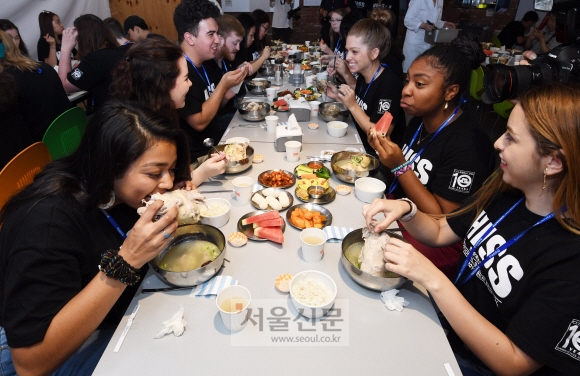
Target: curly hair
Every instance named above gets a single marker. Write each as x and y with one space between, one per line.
456 61
148 74
190 13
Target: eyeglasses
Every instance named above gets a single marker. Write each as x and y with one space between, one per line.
265 28
335 20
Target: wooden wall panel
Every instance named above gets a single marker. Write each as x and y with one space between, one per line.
157 13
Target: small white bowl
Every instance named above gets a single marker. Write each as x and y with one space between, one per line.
218 220
312 311
336 128
367 189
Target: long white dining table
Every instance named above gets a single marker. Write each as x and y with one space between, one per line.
372 339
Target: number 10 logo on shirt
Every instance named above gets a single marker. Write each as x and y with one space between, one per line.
461 181
570 342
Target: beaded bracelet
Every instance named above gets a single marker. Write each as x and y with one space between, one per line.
400 167
113 265
412 211
403 170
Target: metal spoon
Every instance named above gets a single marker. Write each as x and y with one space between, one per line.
208 142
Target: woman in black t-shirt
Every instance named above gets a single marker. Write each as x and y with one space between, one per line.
513 307
70 276
49 43
444 157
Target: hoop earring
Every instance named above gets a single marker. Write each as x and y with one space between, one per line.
545 174
446 106
110 203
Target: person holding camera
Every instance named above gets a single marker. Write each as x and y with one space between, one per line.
281 20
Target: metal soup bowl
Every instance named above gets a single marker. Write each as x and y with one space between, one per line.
257 89
233 167
350 176
333 111
254 115
193 277
266 70
393 281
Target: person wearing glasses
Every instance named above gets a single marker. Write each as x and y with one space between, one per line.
337 44
422 15
327 6
262 21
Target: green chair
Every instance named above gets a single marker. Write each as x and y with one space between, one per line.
476 84
495 41
64 134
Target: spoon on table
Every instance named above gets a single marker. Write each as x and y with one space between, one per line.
208 142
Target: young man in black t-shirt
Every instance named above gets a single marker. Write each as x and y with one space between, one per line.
199 40
513 33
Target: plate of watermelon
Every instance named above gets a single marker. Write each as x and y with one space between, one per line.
261 225
281 105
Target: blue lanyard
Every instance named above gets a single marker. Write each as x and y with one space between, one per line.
206 80
114 224
395 182
370 83
337 47
499 249
224 65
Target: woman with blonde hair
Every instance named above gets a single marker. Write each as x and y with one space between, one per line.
512 307
40 95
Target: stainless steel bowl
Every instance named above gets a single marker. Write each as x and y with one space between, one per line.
266 70
364 279
257 89
350 176
234 167
200 275
333 111
255 115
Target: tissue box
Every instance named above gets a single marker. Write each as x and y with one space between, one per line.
300 109
284 135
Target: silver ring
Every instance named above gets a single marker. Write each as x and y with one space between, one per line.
166 235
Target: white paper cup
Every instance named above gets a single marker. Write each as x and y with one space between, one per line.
518 58
313 240
293 150
271 94
314 108
322 76
236 299
309 80
243 188
307 43
272 123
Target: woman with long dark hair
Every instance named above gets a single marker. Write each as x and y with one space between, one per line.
48 47
512 306
68 283
155 74
9 28
262 21
98 52
246 45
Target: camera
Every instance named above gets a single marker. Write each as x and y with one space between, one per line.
294 13
561 64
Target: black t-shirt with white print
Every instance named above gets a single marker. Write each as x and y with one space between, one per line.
531 291
383 95
455 163
43 51
198 93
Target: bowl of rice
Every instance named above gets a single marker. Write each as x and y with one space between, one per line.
215 212
312 293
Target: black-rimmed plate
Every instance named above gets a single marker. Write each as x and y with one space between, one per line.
311 207
280 192
248 230
262 179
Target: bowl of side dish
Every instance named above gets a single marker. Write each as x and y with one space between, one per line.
348 166
238 163
352 246
194 255
215 212
257 85
312 293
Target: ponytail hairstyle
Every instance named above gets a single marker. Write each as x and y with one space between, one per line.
373 34
456 61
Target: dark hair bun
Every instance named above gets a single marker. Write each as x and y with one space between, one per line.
470 46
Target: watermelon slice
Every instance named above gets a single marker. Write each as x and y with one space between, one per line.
382 126
276 222
274 234
280 102
261 217
284 108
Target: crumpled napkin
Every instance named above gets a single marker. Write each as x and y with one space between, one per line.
292 123
176 325
393 302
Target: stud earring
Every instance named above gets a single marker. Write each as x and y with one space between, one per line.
110 203
446 105
545 174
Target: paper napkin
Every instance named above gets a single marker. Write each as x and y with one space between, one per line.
336 234
212 287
